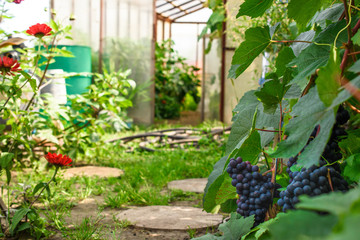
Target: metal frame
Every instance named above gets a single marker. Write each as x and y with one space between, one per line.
182 12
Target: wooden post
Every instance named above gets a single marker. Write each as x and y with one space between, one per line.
101 35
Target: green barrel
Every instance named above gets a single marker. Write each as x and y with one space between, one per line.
80 63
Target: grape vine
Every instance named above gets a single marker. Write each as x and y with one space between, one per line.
300 129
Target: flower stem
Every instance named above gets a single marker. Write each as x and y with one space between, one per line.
46 185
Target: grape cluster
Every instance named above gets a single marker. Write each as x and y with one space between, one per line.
312 182
253 188
332 150
317 180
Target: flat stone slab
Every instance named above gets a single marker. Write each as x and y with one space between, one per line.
196 185
92 171
169 218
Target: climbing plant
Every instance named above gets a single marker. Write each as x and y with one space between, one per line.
299 130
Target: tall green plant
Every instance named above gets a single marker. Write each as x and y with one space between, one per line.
314 73
173 80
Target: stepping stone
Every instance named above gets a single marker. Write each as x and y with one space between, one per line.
196 185
92 171
169 218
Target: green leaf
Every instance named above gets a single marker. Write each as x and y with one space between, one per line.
349 230
229 206
337 203
24 226
256 41
236 227
332 13
285 56
355 68
304 120
356 38
303 10
254 8
38 187
214 183
20 214
351 144
308 61
242 121
6 160
351 170
297 47
53 25
261 229
33 84
328 79
249 149
297 225
225 192
271 94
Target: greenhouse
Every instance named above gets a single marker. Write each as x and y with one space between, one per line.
179 119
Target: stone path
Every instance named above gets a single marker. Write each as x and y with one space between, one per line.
92 171
169 218
196 185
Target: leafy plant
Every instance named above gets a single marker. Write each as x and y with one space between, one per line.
314 73
174 79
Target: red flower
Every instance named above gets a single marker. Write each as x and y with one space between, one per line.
39 30
58 160
9 65
18 1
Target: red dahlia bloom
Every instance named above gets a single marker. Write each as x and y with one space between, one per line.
58 160
9 65
18 1
39 30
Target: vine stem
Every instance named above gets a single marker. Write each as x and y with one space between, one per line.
46 185
290 41
266 130
329 179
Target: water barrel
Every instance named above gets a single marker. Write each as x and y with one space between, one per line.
80 63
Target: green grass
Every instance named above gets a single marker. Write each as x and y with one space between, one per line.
143 183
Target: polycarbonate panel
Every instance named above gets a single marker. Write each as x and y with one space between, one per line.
212 70
127 39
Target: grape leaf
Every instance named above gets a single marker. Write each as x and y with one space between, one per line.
297 47
254 8
328 79
315 56
304 120
351 144
332 13
308 61
236 227
256 41
355 67
308 113
285 56
250 148
242 120
229 206
300 224
337 203
356 38
225 192
303 10
351 170
271 94
214 183
350 228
